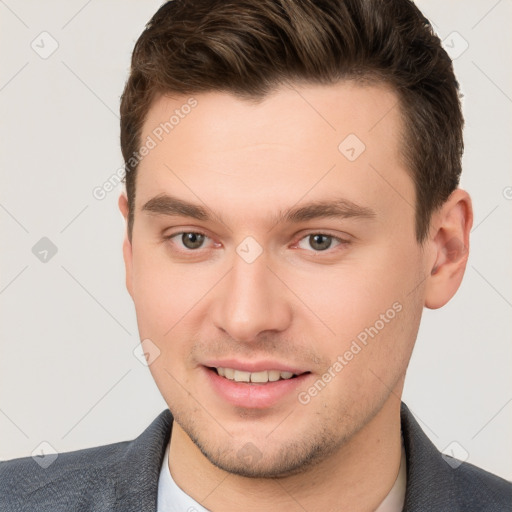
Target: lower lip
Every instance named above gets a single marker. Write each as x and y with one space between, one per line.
254 396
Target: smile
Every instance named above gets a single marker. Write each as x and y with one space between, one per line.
257 389
261 377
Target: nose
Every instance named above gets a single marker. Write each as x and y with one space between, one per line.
251 301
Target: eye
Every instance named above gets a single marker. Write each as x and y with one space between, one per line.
190 240
319 242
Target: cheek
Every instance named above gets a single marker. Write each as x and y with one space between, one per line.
166 297
366 310
163 292
352 295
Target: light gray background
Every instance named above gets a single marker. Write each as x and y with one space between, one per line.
68 375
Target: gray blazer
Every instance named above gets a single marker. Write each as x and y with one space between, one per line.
123 477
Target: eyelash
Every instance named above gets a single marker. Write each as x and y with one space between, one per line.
340 241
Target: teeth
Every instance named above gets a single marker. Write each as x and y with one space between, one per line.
259 376
256 377
273 375
242 376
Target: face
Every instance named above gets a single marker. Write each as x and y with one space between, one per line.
274 269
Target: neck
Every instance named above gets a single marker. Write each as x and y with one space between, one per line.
356 477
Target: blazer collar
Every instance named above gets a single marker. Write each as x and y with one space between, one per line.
429 478
137 476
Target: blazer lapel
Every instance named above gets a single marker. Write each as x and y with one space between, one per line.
136 473
429 478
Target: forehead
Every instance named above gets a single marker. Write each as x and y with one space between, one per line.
297 141
286 115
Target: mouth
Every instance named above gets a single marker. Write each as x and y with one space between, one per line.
260 377
258 389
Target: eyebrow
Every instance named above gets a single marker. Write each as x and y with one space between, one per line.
165 204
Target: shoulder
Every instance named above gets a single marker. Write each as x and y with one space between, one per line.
477 487
61 463
98 478
438 482
57 481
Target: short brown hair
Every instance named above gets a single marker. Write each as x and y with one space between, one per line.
249 47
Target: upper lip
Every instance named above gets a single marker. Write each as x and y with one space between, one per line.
254 366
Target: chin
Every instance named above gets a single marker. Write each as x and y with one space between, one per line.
274 460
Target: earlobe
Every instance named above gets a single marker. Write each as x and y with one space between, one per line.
449 241
127 245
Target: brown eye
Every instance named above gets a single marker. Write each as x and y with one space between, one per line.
192 240
320 242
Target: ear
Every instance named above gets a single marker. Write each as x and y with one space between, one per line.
127 245
449 247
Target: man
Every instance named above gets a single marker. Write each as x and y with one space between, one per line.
292 205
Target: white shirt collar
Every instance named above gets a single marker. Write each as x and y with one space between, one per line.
172 498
